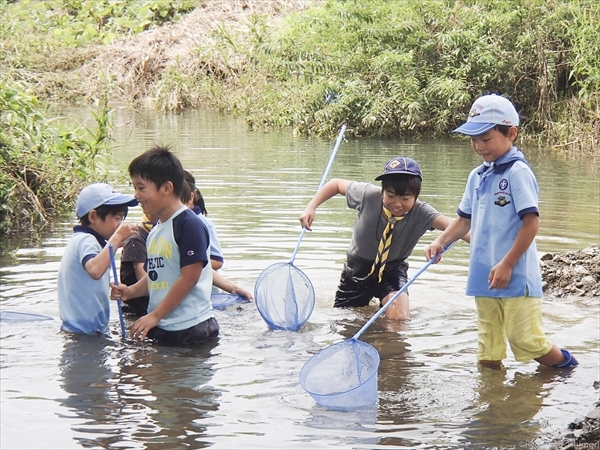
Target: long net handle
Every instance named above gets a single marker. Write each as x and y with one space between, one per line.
111 252
327 169
397 294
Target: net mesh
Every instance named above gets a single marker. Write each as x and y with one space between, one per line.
284 296
339 368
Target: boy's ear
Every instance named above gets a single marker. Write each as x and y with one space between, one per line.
513 132
168 187
93 216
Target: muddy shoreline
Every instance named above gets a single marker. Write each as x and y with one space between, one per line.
576 273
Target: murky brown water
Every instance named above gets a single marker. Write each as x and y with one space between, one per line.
60 391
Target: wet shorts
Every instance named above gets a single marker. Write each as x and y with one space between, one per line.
204 331
351 292
517 318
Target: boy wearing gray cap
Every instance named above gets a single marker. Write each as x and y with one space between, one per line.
83 275
389 223
500 208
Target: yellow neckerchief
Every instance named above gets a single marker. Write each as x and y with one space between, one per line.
383 250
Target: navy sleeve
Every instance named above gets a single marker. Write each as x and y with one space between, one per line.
192 238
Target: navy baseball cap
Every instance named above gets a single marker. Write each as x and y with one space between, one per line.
401 165
487 112
100 194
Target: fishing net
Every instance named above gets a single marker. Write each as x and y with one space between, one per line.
343 375
284 296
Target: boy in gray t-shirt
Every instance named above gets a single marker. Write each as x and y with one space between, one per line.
390 222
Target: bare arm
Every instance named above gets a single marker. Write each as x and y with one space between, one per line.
228 286
330 189
97 266
502 272
458 228
442 222
138 268
123 292
190 275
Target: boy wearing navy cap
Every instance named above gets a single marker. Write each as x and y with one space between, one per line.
83 275
390 222
500 208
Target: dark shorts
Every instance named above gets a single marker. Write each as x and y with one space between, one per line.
137 307
204 331
352 292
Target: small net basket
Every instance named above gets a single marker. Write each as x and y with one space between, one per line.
342 376
284 296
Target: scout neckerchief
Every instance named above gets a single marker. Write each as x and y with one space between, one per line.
497 167
383 250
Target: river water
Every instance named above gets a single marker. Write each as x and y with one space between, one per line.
63 391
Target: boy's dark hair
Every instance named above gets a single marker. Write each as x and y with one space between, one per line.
402 184
198 199
504 129
104 211
159 165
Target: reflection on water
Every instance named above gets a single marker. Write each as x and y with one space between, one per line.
242 391
132 394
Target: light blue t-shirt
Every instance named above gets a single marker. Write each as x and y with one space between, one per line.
83 302
181 240
496 198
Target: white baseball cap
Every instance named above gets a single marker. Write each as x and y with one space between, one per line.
487 112
100 194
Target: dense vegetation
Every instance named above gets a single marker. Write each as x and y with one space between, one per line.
45 163
413 67
384 67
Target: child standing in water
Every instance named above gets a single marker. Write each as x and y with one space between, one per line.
500 208
389 223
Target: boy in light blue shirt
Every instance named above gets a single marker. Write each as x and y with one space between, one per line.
83 275
500 208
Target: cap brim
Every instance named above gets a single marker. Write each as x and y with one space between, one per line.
383 175
125 200
474 128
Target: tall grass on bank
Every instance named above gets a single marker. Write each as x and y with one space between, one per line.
392 68
43 165
384 67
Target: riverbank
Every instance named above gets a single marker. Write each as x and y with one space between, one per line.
311 65
576 273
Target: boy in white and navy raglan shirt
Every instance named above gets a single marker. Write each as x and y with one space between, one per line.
500 207
179 277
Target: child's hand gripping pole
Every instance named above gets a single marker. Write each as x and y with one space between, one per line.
111 252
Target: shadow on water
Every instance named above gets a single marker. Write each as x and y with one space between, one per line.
129 393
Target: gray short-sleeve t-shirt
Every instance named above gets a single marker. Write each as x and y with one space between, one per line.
366 198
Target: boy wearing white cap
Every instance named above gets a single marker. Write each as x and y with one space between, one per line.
390 222
83 275
500 208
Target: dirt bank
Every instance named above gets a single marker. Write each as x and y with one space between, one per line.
574 273
136 67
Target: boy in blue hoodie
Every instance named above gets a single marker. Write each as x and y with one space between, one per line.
500 208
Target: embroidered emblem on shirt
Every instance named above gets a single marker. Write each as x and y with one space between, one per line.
501 201
190 253
503 184
153 275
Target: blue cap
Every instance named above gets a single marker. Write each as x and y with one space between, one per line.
487 112
401 165
100 194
